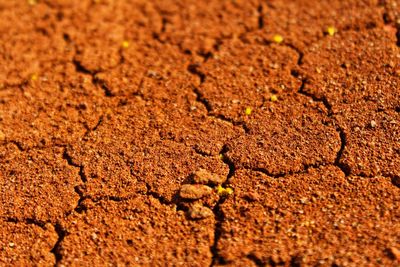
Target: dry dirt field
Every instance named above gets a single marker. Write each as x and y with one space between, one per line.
199 133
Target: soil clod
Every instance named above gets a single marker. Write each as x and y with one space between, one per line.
203 176
198 212
189 191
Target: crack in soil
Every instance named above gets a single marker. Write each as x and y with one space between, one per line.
42 224
218 213
298 51
345 169
70 162
61 232
258 262
88 131
94 80
157 196
260 12
18 145
193 69
150 192
78 208
36 222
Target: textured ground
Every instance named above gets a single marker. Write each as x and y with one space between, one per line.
166 132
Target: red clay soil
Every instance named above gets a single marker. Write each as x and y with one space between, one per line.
199 133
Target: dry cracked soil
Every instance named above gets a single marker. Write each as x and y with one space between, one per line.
200 133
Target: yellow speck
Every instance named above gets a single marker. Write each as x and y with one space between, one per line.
221 156
125 44
274 98
32 2
248 111
331 30
277 38
224 191
229 191
34 77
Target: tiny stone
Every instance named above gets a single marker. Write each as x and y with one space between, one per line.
274 65
303 200
93 236
373 124
152 73
199 212
204 177
190 191
11 244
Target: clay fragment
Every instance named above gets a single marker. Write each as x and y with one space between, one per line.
198 212
189 191
203 176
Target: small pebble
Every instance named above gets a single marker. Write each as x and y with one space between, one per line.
197 212
373 124
274 98
189 191
11 244
203 176
93 236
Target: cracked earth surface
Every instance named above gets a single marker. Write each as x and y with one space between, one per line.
165 133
